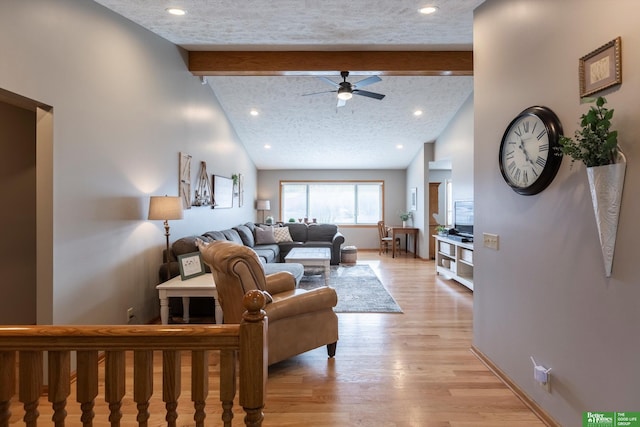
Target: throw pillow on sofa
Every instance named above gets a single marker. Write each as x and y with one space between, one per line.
265 235
282 234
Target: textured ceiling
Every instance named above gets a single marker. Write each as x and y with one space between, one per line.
309 131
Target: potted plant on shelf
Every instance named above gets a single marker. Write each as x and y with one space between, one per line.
441 230
596 145
405 216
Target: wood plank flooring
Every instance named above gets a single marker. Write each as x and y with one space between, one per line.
413 369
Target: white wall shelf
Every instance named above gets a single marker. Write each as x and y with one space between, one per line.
454 260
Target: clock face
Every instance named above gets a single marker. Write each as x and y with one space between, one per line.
527 160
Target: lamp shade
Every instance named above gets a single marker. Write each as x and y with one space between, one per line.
165 207
264 205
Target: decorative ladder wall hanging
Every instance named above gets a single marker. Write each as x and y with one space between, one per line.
203 188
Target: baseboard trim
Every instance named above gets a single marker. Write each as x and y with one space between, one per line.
529 403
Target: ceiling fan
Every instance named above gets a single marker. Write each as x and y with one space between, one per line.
346 90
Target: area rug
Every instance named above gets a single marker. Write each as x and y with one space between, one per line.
359 289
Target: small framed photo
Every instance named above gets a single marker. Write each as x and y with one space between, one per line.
601 68
191 265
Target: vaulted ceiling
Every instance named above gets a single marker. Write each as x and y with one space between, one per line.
264 56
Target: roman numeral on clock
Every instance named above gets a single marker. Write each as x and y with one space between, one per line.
540 161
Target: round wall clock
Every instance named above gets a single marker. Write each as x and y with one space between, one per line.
528 162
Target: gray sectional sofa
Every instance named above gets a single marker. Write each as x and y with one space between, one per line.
271 254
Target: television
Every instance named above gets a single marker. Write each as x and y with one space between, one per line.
463 217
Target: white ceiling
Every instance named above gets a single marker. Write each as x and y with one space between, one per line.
309 132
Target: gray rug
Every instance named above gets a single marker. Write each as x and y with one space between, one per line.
359 290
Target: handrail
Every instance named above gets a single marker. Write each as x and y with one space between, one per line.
246 343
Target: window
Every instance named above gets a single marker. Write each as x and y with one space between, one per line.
332 202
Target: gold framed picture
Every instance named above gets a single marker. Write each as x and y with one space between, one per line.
601 68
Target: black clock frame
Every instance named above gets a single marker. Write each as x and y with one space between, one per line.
554 159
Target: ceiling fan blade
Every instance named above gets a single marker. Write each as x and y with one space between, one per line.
367 81
368 94
317 93
328 80
341 102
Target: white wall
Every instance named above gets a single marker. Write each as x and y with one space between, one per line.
418 177
456 144
364 237
544 293
124 106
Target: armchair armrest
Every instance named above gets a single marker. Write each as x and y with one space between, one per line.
281 281
302 302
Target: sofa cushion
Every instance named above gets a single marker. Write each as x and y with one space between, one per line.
246 235
321 232
268 253
232 236
298 231
264 235
186 245
282 234
215 235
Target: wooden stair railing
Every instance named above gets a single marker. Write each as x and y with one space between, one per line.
245 343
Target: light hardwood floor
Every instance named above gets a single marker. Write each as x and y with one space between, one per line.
413 369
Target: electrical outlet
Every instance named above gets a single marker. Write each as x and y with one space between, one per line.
490 241
547 385
129 314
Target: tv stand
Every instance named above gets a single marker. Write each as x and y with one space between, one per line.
454 260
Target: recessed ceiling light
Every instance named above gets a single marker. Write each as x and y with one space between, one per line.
417 113
176 11
267 146
428 10
254 112
399 146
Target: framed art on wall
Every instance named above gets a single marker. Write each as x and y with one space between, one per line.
601 68
185 180
414 199
222 192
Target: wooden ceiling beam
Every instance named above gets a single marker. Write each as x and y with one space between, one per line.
287 63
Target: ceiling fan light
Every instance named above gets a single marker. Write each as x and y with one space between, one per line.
344 95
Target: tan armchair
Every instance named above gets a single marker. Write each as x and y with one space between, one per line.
299 320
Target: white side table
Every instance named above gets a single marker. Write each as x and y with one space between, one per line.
200 286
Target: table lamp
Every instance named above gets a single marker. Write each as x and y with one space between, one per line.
264 205
165 208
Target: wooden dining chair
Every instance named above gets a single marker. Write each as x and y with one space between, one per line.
385 239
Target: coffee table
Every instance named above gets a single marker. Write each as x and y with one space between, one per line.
199 286
312 257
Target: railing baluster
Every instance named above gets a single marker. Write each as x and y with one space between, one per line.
30 385
87 385
7 384
227 384
199 384
171 385
253 341
114 378
59 386
142 383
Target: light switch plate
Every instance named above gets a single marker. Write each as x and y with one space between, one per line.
490 241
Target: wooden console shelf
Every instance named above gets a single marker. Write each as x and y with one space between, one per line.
454 260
